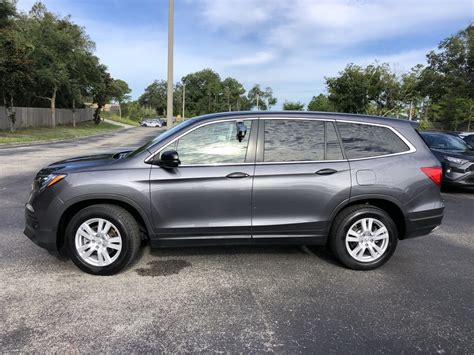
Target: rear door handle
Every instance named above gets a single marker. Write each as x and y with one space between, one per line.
237 175
326 171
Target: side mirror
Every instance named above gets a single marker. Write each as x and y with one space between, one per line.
169 159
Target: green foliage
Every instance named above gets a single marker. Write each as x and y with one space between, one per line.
293 106
320 103
136 112
204 92
155 97
261 99
373 89
47 61
448 81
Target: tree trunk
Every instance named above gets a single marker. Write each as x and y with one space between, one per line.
74 113
120 110
53 108
11 115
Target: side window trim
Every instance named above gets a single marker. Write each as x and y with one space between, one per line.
250 147
411 147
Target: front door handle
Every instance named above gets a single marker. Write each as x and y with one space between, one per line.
326 171
237 175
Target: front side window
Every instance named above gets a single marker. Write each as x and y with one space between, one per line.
300 140
215 143
366 141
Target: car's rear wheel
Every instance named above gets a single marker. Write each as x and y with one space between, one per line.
103 239
363 237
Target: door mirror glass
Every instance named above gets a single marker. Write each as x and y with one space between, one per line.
169 159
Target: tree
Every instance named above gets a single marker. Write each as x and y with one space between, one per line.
373 89
320 103
15 50
262 100
293 106
56 42
411 92
204 92
348 91
155 96
103 90
121 93
233 91
448 81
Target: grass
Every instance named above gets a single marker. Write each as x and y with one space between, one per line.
60 132
119 119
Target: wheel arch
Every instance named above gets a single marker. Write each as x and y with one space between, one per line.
386 203
76 206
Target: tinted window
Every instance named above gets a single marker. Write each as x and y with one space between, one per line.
216 143
444 141
299 140
364 141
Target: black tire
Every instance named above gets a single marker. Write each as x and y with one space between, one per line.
124 222
345 219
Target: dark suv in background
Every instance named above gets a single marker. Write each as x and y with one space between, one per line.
357 183
456 157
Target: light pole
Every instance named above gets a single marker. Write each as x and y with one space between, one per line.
169 95
184 98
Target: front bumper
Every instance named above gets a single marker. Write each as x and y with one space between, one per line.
462 175
43 237
422 223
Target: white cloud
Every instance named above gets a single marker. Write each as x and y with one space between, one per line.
261 57
330 23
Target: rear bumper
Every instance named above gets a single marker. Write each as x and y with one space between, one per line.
422 223
44 238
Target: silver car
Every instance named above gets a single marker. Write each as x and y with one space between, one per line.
356 183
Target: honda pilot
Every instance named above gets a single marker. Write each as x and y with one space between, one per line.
358 184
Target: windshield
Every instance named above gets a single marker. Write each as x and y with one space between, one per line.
444 141
161 137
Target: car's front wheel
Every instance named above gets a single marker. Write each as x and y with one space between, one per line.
363 237
103 239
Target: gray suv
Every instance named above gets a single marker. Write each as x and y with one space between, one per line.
356 183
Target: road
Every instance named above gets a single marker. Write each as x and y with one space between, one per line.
232 299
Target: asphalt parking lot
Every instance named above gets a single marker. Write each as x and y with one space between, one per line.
232 299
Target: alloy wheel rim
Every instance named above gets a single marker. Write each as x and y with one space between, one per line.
367 240
98 242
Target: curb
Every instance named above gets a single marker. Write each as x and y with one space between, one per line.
51 141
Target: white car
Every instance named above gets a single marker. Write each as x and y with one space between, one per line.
152 123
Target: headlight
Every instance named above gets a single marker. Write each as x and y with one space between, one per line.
455 160
49 180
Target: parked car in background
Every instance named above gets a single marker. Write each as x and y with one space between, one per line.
153 122
455 155
357 183
468 138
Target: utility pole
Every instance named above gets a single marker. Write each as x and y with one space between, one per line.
258 96
184 98
169 95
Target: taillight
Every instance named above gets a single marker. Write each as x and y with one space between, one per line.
435 173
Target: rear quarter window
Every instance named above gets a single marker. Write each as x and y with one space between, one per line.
366 141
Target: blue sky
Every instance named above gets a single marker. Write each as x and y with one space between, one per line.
287 45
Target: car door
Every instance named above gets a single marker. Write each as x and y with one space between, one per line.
301 176
208 196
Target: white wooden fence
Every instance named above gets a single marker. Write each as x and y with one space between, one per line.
38 116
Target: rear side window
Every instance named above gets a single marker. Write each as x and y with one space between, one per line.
365 141
300 140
